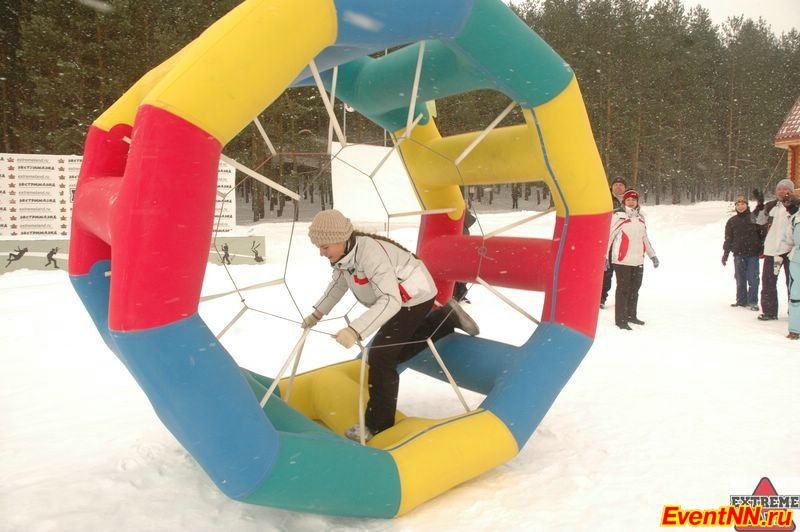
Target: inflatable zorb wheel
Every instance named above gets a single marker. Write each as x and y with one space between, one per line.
143 218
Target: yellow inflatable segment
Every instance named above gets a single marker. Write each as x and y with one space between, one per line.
572 154
503 156
449 453
240 90
513 154
123 111
432 455
329 395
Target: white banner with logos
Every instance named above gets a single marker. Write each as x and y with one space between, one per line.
36 193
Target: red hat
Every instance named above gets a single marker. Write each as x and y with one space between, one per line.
630 194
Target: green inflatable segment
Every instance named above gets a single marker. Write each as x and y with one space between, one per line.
518 61
321 472
496 50
381 88
314 474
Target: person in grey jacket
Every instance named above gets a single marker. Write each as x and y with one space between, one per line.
399 293
775 218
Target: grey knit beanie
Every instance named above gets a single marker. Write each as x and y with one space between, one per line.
784 183
329 227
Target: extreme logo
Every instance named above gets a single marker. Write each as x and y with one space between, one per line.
762 510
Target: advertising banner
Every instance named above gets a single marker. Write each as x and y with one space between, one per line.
37 190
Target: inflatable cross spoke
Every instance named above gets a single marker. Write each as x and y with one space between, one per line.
144 212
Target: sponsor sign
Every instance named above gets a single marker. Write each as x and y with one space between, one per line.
37 192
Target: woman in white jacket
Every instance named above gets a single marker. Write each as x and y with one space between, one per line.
628 243
397 290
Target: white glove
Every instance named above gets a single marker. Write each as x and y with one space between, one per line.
776 265
311 320
347 337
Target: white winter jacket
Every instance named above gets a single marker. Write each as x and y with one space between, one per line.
628 240
793 232
779 237
383 277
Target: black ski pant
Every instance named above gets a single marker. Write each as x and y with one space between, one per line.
629 280
607 276
390 348
769 285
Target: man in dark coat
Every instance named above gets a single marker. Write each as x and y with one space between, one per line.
618 188
745 239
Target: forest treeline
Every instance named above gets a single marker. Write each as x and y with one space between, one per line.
682 108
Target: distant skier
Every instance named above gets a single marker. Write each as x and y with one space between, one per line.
51 258
254 249
226 258
16 255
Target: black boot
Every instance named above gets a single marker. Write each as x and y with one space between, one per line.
635 321
624 326
461 319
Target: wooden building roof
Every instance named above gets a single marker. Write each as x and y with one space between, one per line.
789 133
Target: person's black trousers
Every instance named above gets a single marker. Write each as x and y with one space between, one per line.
769 285
607 276
391 348
629 280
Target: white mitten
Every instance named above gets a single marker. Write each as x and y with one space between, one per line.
347 337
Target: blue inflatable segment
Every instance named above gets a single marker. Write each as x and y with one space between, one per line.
526 391
366 27
197 390
378 25
94 289
475 363
521 383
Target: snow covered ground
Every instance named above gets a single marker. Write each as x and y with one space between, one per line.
695 406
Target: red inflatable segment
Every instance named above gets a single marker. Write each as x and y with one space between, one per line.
105 155
510 262
433 226
524 263
576 281
161 222
97 199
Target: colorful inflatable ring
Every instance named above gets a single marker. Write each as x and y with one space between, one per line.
144 212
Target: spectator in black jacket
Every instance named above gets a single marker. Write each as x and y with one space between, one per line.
745 239
618 188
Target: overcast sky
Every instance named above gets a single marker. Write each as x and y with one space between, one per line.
782 15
